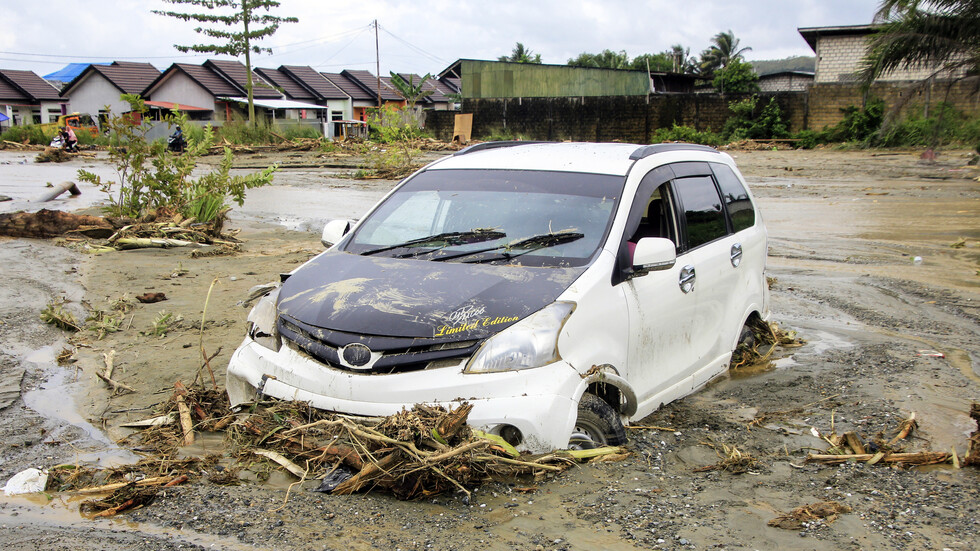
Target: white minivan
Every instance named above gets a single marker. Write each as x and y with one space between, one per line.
562 289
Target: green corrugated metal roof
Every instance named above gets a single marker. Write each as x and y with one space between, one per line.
496 79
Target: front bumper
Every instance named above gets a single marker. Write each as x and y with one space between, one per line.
541 402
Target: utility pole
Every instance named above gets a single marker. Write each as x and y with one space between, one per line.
377 61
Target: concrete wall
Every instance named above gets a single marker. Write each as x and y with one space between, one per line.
785 83
827 100
93 94
839 57
624 118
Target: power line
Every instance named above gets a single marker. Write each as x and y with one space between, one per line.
414 47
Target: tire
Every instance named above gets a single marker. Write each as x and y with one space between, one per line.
597 425
747 336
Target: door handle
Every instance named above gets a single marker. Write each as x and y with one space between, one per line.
687 279
736 255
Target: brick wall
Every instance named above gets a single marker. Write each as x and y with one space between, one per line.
617 118
839 57
827 100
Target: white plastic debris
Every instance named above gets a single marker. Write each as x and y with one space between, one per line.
28 481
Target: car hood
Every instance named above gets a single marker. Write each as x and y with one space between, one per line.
368 295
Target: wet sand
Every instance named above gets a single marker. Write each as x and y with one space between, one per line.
845 229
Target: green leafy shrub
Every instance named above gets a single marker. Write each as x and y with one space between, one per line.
392 124
744 123
151 176
686 134
808 139
31 133
858 123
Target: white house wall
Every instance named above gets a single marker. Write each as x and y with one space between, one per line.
93 94
179 88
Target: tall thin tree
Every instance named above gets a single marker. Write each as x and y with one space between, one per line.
242 23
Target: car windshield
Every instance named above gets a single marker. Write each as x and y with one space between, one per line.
523 217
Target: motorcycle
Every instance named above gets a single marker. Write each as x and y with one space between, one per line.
176 142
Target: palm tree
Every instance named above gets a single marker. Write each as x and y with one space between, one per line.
521 55
410 90
936 33
723 50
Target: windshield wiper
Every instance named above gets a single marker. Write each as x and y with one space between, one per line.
441 240
525 245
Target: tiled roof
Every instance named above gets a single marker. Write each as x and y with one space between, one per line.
312 80
348 86
30 85
10 94
369 83
289 85
235 72
208 79
129 77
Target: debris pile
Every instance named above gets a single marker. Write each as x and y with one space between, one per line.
850 447
825 512
760 346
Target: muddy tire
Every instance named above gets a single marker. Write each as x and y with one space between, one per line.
597 425
746 337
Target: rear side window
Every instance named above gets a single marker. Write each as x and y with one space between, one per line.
702 210
736 198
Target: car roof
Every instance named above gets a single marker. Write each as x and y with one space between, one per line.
594 158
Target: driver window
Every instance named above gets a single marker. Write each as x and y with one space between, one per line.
656 220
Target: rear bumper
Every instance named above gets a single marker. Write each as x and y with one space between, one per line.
540 402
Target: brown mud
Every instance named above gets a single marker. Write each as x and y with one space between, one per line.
875 259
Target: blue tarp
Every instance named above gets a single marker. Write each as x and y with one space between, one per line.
4 117
70 71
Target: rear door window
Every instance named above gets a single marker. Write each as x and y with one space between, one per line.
702 207
737 200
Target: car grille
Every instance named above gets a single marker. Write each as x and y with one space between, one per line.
398 355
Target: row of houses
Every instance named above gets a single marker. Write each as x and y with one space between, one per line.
212 91
215 90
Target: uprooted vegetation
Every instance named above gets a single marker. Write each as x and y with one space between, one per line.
758 348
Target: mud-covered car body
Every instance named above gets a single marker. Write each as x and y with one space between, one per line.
523 279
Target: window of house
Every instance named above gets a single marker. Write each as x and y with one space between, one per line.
703 212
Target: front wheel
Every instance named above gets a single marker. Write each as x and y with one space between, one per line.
597 425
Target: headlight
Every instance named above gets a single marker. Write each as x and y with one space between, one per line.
262 322
531 342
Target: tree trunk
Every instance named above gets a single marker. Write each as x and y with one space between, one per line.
50 223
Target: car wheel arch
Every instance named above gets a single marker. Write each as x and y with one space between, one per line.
605 382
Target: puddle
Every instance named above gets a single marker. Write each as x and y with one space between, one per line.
54 400
306 207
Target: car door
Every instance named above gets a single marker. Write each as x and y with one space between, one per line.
707 261
661 314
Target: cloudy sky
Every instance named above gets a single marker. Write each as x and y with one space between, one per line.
418 37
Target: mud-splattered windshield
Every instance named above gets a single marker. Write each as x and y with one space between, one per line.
532 218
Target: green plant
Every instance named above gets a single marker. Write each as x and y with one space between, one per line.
31 133
163 323
55 314
858 123
745 124
151 176
102 323
737 77
392 124
808 139
686 134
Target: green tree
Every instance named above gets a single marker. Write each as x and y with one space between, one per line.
409 90
607 59
658 63
738 76
243 23
520 54
944 34
723 50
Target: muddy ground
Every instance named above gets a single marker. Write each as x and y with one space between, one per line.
864 268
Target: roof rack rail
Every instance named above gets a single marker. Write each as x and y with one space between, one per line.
645 151
493 145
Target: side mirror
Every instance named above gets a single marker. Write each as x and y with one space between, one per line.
334 231
653 254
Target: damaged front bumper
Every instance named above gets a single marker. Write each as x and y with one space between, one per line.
541 403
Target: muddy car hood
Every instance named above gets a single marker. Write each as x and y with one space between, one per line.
367 295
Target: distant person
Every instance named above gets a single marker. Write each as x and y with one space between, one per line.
71 141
